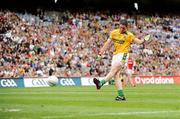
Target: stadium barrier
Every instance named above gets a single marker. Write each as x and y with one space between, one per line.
69 81
156 79
81 81
36 82
11 82
43 81
88 81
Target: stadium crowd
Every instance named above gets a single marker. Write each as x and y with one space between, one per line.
68 42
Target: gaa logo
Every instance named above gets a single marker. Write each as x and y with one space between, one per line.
8 83
67 82
39 82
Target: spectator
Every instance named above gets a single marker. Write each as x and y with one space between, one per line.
30 44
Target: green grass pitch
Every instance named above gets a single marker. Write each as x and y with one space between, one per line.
143 102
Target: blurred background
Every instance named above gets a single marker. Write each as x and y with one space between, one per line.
128 5
66 35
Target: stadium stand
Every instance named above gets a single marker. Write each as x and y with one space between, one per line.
68 42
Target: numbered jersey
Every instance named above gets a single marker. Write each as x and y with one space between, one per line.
121 41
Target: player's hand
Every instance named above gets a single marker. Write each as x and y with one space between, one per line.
148 38
98 57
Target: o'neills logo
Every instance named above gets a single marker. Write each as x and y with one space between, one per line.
153 80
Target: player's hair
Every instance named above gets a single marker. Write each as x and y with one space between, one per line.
124 22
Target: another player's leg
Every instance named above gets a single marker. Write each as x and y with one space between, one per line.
119 87
129 77
131 81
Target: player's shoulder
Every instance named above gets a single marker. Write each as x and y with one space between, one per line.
114 31
130 33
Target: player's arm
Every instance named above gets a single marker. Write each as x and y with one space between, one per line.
139 41
103 49
147 38
105 46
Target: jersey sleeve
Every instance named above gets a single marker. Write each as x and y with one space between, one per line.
112 35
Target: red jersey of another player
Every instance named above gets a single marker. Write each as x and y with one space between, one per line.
130 63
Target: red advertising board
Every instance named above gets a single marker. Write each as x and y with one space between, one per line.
156 79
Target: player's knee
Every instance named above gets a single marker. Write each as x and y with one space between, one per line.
114 71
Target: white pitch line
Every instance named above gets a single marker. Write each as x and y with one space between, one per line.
134 113
22 93
11 110
112 114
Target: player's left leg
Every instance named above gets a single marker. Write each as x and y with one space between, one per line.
123 80
119 87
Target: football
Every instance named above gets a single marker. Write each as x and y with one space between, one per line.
52 81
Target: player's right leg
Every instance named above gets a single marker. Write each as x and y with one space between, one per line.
97 83
117 63
110 75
